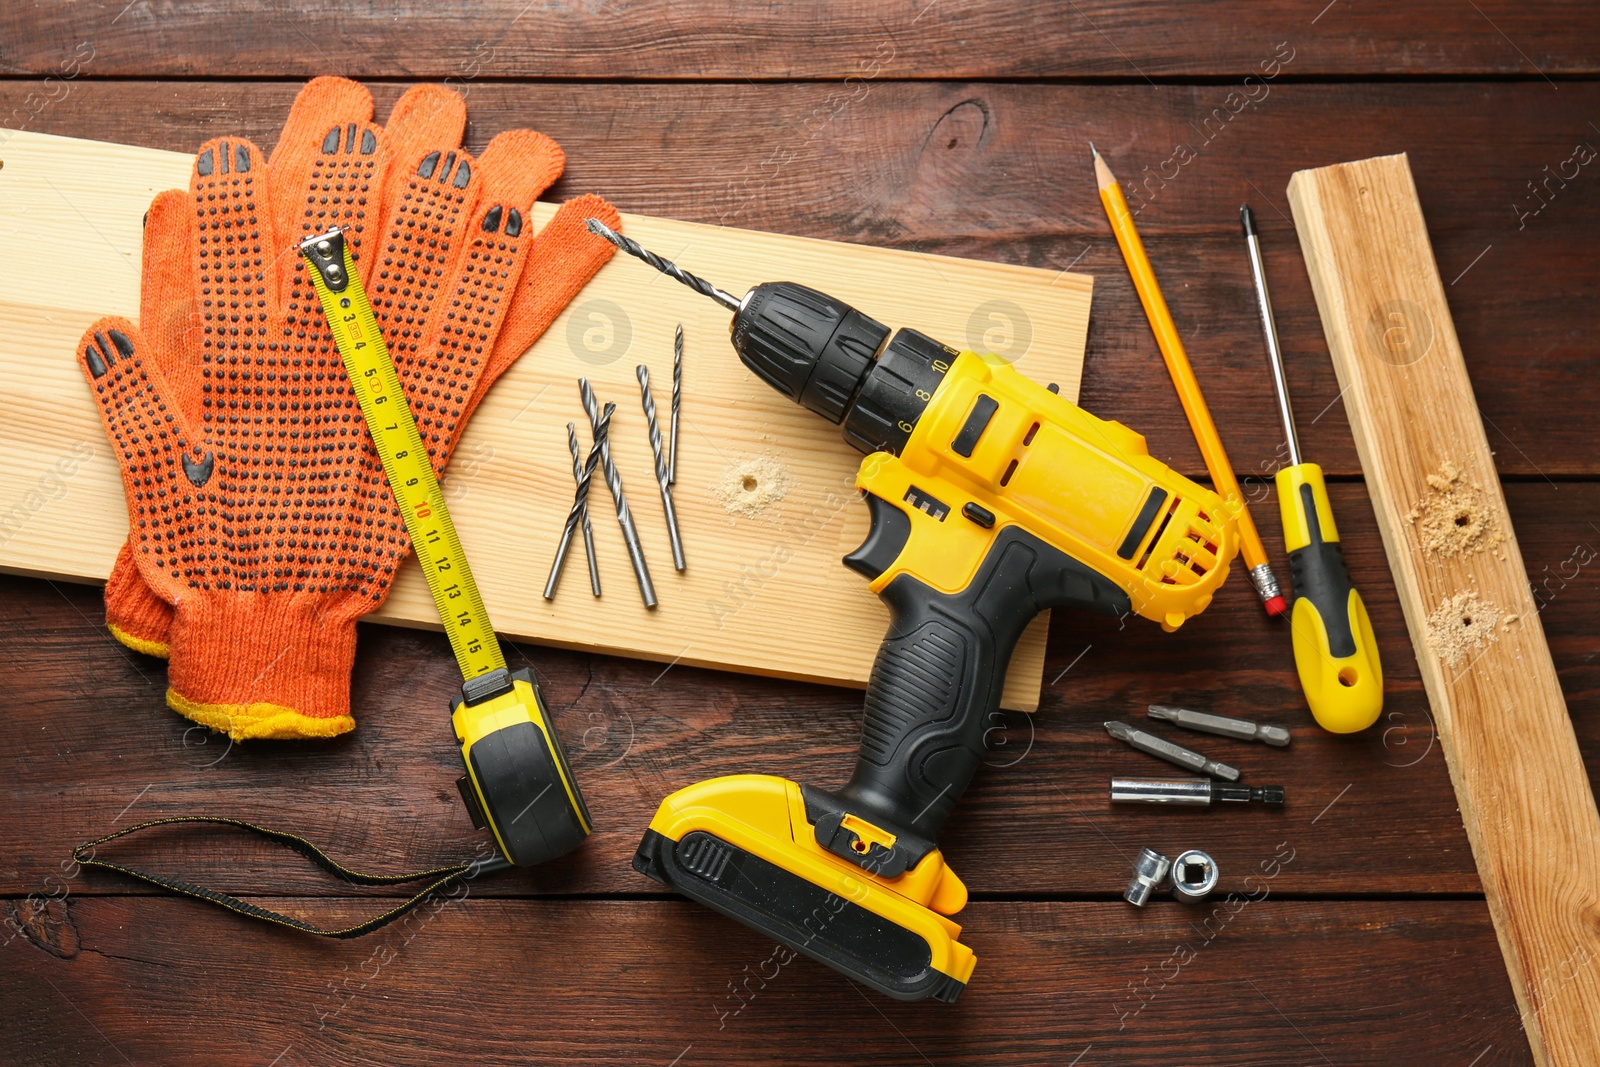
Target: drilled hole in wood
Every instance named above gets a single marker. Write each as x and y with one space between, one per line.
1461 625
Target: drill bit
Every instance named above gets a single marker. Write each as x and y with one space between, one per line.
608 467
579 504
1161 748
677 395
665 266
588 528
1221 725
662 477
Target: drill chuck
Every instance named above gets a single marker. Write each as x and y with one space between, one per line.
811 347
823 354
831 359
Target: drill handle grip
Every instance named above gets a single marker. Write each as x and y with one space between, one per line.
934 692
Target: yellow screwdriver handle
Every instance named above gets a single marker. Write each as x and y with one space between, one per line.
1334 648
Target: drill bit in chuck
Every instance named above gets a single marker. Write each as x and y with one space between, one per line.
608 467
665 266
663 476
1161 748
580 500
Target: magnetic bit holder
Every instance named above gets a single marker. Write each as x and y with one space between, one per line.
1149 871
1194 875
1195 792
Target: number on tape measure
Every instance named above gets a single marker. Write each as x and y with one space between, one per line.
405 460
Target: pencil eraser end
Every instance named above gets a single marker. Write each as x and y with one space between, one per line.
1277 606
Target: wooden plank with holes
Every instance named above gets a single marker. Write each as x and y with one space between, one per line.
764 591
1513 757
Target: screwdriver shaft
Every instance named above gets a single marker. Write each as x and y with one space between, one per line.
1269 326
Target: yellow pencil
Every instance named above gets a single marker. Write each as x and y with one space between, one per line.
1189 395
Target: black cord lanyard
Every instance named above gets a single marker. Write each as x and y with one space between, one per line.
442 876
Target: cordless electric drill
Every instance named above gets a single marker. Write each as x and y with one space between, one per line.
991 499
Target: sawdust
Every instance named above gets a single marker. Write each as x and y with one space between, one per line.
752 485
1455 516
1462 624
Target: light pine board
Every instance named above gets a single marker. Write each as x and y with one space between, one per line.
764 594
1502 721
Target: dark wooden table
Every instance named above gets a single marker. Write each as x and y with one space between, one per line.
1350 928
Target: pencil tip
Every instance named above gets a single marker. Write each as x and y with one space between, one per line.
1093 150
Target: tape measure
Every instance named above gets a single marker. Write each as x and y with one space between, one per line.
518 784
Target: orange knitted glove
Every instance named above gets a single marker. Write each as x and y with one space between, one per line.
424 117
257 507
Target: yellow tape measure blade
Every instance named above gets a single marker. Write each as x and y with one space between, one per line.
416 490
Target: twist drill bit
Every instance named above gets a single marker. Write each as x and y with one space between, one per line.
665 266
662 477
677 395
1161 748
579 503
608 467
588 528
1221 725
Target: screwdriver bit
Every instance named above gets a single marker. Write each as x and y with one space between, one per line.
1221 725
1161 748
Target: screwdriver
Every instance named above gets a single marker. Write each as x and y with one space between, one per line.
1335 652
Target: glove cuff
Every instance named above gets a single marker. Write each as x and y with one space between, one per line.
262 666
134 614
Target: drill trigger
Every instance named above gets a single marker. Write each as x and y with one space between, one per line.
891 529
